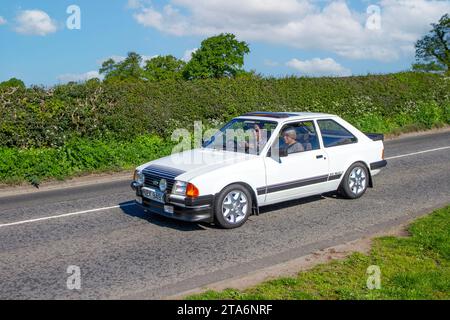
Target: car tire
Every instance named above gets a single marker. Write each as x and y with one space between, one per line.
233 206
355 181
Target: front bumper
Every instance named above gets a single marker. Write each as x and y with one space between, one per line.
186 209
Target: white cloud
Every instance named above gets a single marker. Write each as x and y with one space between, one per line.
74 77
35 22
319 67
169 20
306 24
134 4
187 56
2 20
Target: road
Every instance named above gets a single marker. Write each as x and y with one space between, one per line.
123 252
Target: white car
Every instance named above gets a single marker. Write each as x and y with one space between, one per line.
258 159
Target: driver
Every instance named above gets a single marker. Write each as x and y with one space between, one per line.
290 138
258 141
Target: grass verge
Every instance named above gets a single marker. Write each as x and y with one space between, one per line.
416 267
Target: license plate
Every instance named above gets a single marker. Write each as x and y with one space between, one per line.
153 194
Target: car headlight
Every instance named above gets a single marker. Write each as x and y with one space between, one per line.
179 188
139 177
185 189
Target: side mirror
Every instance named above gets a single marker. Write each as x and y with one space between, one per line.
277 153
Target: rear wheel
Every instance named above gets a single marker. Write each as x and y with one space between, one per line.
233 206
355 181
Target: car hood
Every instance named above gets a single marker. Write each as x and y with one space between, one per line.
199 161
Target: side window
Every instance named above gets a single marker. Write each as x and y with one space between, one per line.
298 137
333 134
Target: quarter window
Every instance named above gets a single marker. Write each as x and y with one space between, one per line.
333 134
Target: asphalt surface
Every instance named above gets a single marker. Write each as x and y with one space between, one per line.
123 252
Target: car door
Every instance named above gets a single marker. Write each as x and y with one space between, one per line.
339 143
303 172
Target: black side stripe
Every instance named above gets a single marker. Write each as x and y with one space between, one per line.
292 185
261 191
334 177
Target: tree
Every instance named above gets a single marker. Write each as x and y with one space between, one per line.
109 68
13 82
432 51
219 56
130 68
163 68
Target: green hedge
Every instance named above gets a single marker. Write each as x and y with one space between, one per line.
122 110
78 156
76 128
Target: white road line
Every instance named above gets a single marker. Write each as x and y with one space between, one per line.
64 215
415 153
131 204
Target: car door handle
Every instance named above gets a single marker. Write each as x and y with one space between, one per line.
319 156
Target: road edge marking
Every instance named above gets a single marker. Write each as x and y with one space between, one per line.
418 152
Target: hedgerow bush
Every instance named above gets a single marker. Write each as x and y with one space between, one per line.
78 156
96 126
38 117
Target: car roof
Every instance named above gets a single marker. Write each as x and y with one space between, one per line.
282 116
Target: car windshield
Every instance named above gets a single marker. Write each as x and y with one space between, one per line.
242 135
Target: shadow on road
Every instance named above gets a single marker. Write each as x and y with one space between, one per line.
135 211
289 204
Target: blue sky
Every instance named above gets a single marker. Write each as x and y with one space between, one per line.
301 37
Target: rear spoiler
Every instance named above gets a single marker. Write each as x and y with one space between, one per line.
375 136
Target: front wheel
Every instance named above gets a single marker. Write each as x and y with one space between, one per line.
233 206
355 181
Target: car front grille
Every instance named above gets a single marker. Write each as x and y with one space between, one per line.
154 173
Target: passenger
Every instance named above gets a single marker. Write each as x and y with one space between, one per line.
290 138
